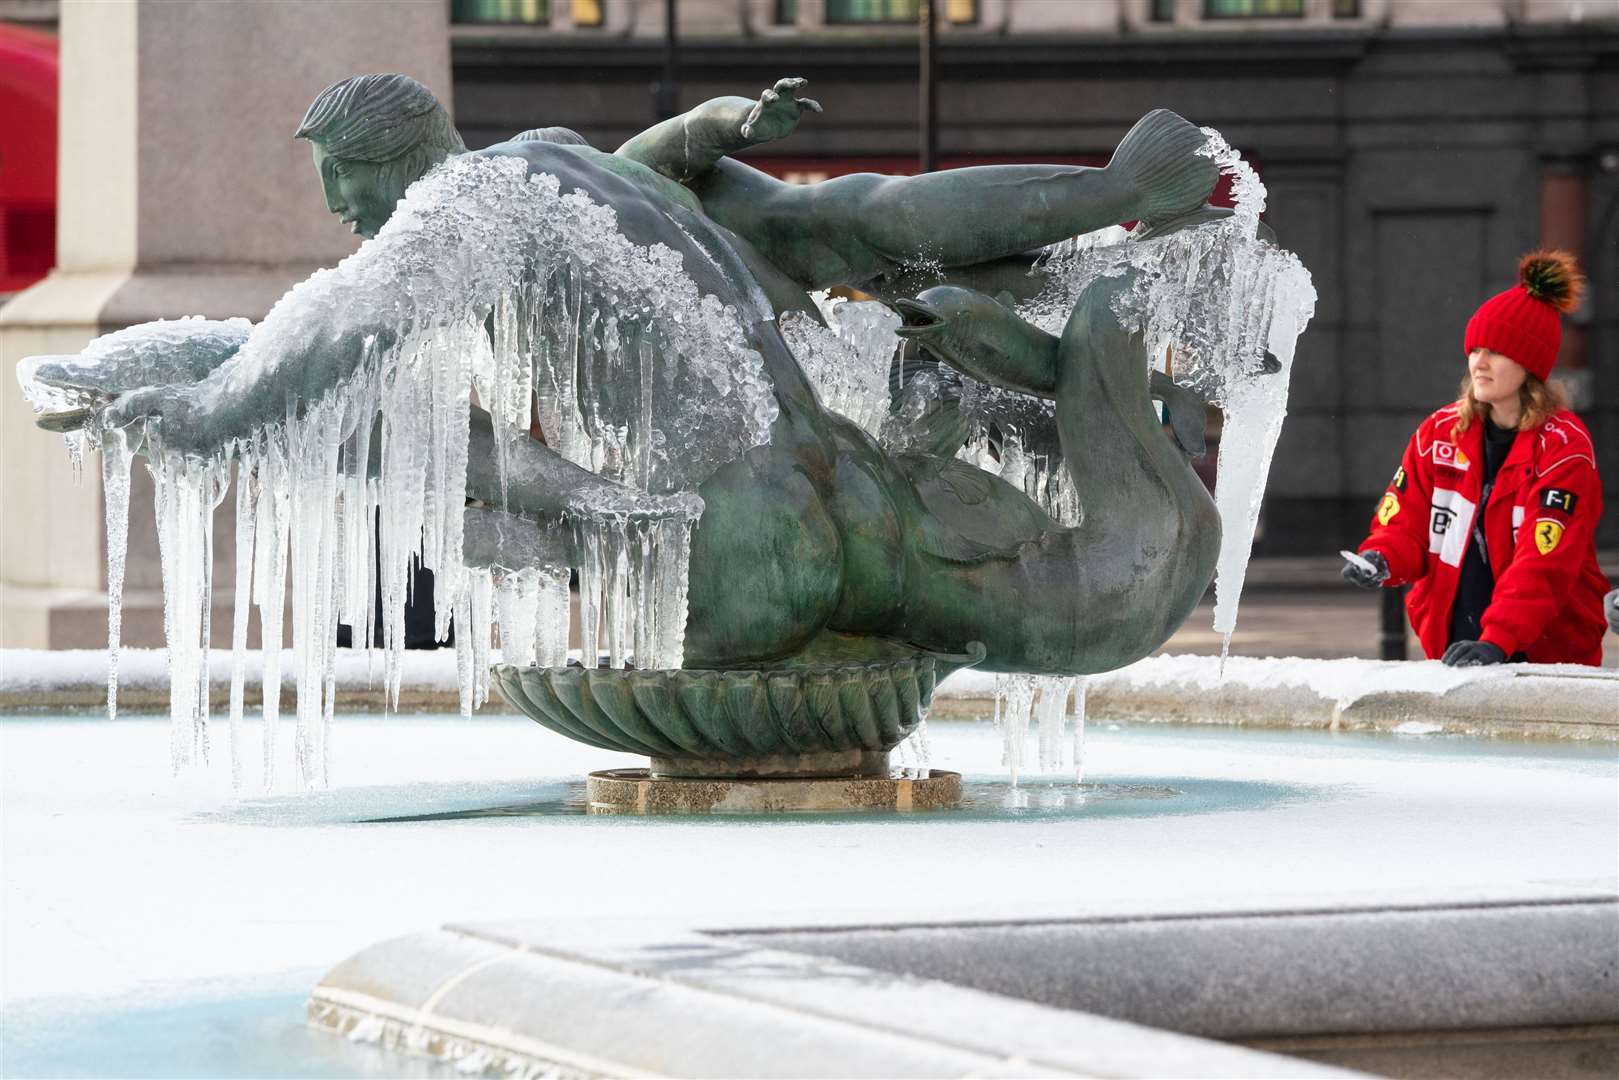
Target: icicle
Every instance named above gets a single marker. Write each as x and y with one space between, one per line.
516 601
479 587
1014 699
1077 718
1050 715
272 532
115 462
246 488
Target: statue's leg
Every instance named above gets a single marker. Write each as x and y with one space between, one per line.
854 229
767 567
765 573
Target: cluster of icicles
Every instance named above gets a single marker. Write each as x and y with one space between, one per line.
1211 302
336 502
1055 705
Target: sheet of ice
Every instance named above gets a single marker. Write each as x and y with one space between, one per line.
116 880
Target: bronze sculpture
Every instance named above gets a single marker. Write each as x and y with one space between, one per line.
818 547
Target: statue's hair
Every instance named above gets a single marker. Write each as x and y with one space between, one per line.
380 118
561 135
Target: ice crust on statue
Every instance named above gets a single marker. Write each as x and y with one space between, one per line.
597 328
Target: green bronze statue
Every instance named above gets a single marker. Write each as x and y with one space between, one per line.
820 546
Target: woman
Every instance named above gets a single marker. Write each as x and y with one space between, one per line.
1491 516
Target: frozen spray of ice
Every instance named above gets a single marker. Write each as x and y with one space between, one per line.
598 328
847 360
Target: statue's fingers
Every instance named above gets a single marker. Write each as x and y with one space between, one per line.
768 96
810 104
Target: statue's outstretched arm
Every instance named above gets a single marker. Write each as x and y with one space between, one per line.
866 229
293 362
687 146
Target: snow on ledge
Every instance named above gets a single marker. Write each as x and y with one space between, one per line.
36 671
1342 682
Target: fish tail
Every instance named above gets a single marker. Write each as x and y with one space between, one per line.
1163 156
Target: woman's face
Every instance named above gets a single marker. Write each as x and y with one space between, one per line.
1495 377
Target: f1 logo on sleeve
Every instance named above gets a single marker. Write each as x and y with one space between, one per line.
1558 499
1398 483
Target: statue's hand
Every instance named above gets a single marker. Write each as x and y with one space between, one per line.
167 412
777 112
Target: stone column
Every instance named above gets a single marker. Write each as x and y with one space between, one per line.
180 192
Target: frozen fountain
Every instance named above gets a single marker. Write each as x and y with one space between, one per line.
788 515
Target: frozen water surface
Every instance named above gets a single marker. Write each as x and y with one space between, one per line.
118 877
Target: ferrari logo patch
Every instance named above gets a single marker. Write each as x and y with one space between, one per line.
1387 508
1547 535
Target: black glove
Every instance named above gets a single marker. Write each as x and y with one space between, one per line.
1355 575
1473 654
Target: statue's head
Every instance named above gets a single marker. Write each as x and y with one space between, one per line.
374 136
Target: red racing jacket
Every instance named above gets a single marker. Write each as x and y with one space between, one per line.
1539 529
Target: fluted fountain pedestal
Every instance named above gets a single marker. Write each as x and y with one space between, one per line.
751 741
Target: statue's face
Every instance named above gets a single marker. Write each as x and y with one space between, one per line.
362 193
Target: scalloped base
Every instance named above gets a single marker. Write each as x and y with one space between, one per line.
636 791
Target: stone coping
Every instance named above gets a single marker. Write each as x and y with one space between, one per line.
1248 975
1409 697
1131 993
533 999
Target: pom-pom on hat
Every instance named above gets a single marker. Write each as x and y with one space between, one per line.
1524 323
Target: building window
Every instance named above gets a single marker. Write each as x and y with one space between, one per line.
786 12
521 12
586 13
1346 9
888 11
1253 9
1162 10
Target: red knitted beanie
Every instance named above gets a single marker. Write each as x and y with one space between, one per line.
1524 323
